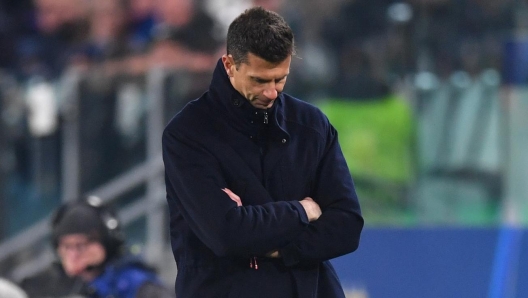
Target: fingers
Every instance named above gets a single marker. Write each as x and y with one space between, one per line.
233 196
313 211
273 254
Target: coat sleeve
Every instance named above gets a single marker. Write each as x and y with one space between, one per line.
194 182
338 229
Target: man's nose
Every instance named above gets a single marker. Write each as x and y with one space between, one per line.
71 255
271 93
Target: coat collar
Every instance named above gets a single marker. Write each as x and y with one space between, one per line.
239 113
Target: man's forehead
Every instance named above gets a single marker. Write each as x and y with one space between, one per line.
74 238
252 59
256 66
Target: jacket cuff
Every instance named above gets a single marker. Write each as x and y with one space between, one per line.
302 212
290 255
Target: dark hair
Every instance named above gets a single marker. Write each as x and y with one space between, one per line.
261 32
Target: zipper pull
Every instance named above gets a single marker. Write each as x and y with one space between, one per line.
265 117
253 263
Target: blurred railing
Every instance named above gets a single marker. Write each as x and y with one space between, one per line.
460 132
151 205
515 199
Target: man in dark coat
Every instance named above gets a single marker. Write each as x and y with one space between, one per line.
259 193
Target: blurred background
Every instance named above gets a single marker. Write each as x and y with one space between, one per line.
429 97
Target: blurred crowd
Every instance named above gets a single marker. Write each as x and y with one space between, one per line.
352 49
361 38
44 37
111 44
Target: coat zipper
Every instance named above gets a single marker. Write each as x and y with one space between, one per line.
253 263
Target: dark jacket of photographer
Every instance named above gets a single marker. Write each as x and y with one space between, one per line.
124 278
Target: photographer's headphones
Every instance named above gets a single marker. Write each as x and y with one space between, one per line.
111 235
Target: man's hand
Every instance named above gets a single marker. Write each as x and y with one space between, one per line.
233 196
312 208
273 254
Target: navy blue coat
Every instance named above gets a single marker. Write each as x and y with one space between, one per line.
219 141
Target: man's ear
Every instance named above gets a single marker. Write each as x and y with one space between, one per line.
229 64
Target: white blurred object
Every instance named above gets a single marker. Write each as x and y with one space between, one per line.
320 66
10 290
225 11
400 12
129 107
42 107
426 81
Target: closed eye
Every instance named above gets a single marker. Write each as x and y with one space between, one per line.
263 81
281 79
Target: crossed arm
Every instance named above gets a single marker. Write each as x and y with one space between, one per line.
312 209
294 230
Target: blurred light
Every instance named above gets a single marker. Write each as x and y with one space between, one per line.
112 223
491 77
426 81
135 249
94 201
460 79
42 107
400 12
